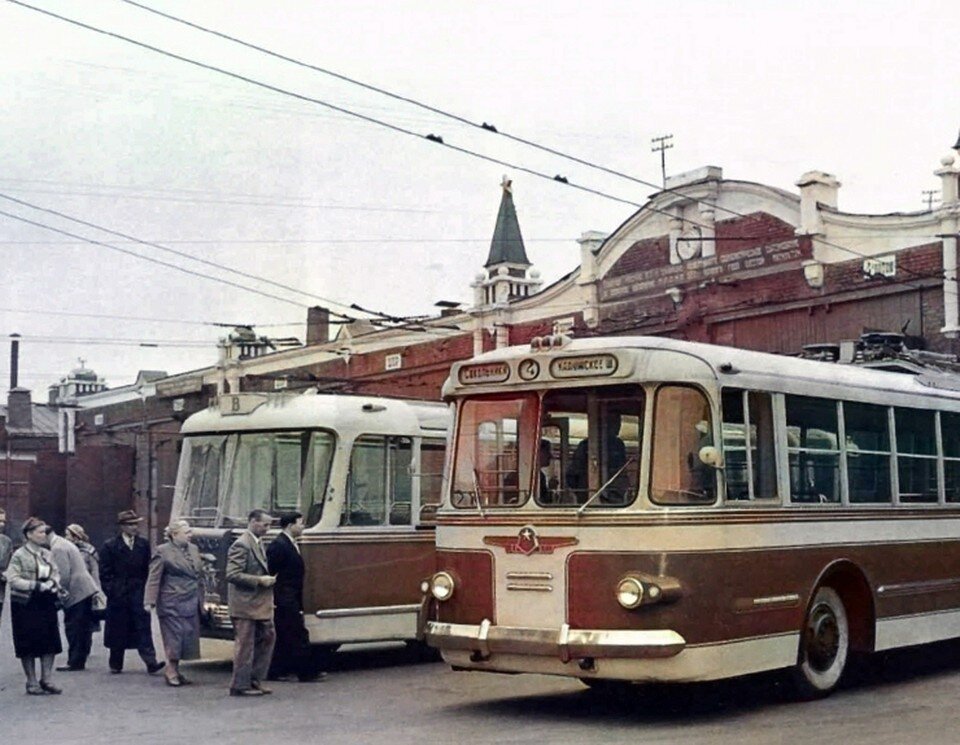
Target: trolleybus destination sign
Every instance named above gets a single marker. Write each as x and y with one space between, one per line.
586 366
492 372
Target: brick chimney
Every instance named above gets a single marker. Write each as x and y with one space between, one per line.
318 325
19 409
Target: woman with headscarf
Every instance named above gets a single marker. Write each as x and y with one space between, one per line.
34 591
174 589
78 537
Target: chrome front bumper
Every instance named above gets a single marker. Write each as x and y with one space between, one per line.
564 643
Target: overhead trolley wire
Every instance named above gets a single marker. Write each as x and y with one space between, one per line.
320 102
151 259
484 126
160 247
180 321
430 137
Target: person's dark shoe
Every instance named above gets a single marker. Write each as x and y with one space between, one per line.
50 688
246 692
155 667
258 686
68 669
282 678
318 678
184 681
116 670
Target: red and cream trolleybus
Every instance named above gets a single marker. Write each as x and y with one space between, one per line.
646 509
366 473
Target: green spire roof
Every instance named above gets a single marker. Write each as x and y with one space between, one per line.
507 244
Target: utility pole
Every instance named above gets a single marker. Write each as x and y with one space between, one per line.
661 145
929 196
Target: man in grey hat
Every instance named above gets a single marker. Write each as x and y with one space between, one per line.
124 565
6 551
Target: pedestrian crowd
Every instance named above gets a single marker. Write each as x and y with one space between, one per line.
123 583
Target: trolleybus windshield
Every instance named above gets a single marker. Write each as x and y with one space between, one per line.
227 476
575 447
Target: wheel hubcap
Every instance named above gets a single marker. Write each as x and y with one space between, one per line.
823 638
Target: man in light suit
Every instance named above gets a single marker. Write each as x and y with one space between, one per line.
250 600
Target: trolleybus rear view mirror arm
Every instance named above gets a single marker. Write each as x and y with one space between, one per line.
609 481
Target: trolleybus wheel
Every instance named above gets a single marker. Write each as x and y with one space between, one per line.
824 645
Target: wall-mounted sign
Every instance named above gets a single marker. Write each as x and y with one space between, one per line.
583 367
880 266
392 362
492 372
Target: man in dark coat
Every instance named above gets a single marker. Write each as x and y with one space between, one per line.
124 565
291 654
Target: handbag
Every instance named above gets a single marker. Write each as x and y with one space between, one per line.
99 606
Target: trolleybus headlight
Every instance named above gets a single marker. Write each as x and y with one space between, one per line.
441 586
630 592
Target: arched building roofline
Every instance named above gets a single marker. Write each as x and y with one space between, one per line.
728 199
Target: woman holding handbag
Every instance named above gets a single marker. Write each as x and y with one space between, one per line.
34 594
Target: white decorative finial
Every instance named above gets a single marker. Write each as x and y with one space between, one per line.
507 184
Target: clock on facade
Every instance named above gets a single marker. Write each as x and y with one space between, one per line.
690 243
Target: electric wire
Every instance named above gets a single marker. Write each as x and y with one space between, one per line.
320 102
463 120
111 317
182 254
401 130
152 260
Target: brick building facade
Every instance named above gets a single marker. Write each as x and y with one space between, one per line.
707 259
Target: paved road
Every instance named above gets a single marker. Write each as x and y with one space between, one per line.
384 695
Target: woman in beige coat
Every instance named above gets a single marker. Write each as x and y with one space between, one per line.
174 589
34 592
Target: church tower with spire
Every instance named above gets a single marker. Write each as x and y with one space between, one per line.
507 274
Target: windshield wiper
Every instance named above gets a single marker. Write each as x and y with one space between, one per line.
476 491
609 481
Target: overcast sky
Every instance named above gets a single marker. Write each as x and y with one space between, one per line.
352 212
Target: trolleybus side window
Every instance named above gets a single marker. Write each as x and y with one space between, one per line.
813 449
432 453
493 461
950 439
868 452
316 473
589 446
287 471
681 427
917 455
379 485
750 472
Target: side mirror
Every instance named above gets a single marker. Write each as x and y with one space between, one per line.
710 456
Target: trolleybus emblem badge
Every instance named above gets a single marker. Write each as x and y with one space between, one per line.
528 542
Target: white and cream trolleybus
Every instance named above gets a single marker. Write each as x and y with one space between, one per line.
646 509
365 472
